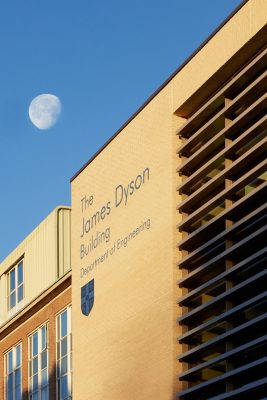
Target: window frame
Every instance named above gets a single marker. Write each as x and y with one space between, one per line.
59 339
19 286
38 357
14 369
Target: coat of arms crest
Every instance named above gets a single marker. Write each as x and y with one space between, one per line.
87 297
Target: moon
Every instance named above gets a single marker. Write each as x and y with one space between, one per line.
45 110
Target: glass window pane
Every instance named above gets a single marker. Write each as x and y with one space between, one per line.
58 350
64 365
44 377
10 395
18 393
44 359
20 293
58 327
10 361
63 331
35 344
58 370
12 300
64 347
64 387
35 366
18 355
30 368
30 346
35 383
20 272
58 390
44 344
44 393
63 354
17 377
13 379
12 280
10 383
35 396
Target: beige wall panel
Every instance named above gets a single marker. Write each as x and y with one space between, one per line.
124 349
227 41
39 251
64 220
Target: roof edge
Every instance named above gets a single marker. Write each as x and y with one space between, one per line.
162 86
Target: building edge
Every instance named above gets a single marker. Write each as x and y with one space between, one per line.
161 87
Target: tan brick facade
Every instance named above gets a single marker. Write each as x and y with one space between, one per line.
133 344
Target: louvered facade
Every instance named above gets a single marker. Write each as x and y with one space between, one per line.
178 308
222 162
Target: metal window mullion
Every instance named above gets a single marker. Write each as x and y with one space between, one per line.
69 352
68 363
22 283
8 290
47 357
29 362
59 359
20 368
16 285
14 359
39 362
58 333
5 374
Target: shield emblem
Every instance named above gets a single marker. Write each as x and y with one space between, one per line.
87 297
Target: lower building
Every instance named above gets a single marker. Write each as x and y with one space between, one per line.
35 330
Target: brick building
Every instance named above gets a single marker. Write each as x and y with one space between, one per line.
35 324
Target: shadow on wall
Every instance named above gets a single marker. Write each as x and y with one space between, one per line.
51 387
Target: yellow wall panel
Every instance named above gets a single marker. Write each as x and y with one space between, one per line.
124 348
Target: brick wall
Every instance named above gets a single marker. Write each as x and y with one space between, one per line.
18 331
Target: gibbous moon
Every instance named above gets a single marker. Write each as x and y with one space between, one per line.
45 110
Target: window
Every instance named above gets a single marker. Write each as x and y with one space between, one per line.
15 289
38 364
13 373
64 355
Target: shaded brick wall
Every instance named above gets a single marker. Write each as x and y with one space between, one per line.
44 311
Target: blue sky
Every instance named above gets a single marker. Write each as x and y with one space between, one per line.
103 59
